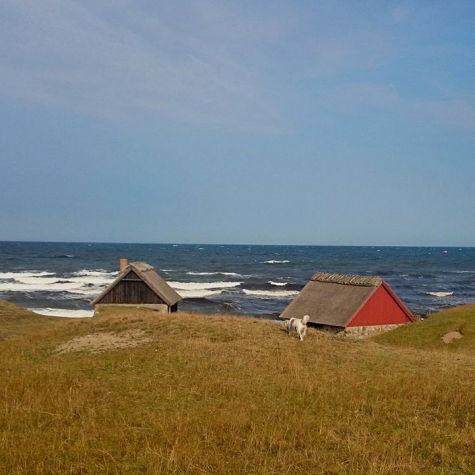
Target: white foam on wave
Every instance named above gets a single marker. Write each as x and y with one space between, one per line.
278 284
203 285
271 294
440 294
15 275
33 280
228 274
96 279
82 283
199 293
56 286
275 262
190 290
95 273
62 312
70 287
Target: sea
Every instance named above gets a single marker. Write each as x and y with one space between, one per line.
61 279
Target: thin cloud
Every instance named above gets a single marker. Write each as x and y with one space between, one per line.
61 54
226 65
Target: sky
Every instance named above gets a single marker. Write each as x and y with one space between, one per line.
301 122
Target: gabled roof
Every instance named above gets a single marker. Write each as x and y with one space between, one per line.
148 275
335 299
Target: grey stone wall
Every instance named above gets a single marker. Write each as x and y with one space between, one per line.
361 332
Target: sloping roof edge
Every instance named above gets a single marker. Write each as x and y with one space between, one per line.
108 288
167 293
400 303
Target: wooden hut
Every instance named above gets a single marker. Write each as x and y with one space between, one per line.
351 303
139 285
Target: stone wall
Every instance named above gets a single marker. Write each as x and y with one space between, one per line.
361 332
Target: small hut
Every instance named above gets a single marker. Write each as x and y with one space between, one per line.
355 304
139 285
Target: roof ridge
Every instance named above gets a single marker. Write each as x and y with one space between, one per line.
346 279
141 266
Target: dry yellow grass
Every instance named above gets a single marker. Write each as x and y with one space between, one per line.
223 395
16 321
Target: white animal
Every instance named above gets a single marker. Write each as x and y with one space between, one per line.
299 325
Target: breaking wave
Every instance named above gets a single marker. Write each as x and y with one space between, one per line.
13 275
268 294
440 294
277 284
190 290
84 282
228 274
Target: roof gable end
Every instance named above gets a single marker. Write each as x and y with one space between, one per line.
148 275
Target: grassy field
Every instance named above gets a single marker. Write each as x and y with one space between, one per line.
140 393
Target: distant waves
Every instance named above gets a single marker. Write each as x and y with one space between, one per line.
63 278
78 289
83 283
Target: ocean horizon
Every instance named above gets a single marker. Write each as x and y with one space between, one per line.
62 278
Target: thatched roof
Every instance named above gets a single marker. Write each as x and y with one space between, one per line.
334 299
364 281
148 275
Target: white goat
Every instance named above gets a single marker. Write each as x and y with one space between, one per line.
297 324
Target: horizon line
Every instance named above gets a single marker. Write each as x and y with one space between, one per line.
451 246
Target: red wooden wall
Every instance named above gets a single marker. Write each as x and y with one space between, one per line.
379 309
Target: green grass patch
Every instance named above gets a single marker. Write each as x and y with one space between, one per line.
428 334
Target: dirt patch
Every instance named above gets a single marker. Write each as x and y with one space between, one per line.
451 336
96 342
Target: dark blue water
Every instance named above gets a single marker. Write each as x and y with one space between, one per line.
239 279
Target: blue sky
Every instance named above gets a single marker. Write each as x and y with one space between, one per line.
211 121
